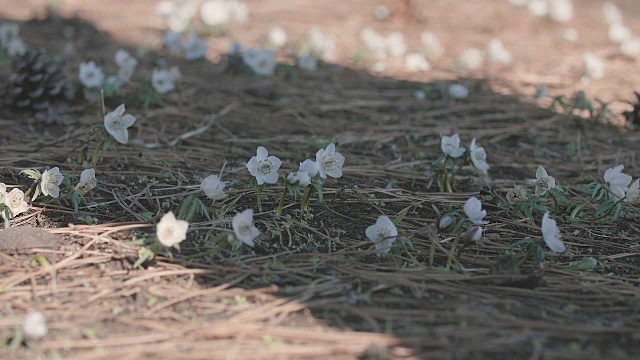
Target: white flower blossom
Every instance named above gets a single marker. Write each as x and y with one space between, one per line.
383 233
618 33
322 45
416 62
215 12
117 125
8 31
543 181
469 60
195 47
473 210
497 53
618 181
126 64
307 62
172 40
631 48
633 193
395 44
91 75
519 2
264 167
262 62
474 234
445 222
570 35
50 182
277 37
593 66
311 167
458 91
329 162
87 182
478 156
171 231
433 47
301 176
561 10
539 8
450 146
213 187
182 15
611 13
14 201
34 325
243 227
163 80
551 234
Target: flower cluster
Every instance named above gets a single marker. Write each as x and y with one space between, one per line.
449 163
93 78
620 185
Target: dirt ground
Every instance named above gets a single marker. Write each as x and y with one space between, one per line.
312 287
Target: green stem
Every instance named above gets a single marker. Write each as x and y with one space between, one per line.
305 198
453 251
281 204
96 152
31 188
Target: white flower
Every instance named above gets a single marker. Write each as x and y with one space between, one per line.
118 125
14 200
195 47
163 80
618 33
262 63
250 57
551 234
171 231
473 209
238 11
301 176
16 47
570 35
478 156
165 8
617 181
450 146
182 15
243 227
322 45
126 64
631 48
87 181
543 181
311 167
593 66
416 62
172 41
91 76
3 189
213 187
277 37
329 162
497 53
395 44
538 8
8 31
458 91
432 45
264 167
383 233
469 59
519 2
215 13
474 234
379 67
445 222
50 182
633 194
34 325
375 43
611 13
561 10
517 195
307 62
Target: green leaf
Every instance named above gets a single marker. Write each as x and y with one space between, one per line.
526 241
32 173
604 208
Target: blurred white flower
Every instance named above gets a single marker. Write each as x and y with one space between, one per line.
16 47
474 234
611 13
277 37
87 182
238 11
543 181
473 210
618 33
126 64
632 195
569 35
617 181
165 8
213 187
383 233
14 200
378 67
322 45
551 234
561 10
91 76
172 40
593 66
469 59
519 2
445 222
34 326
8 32
497 53
395 44
301 176
375 43
416 62
478 156
163 80
215 12
118 125
171 231
433 47
243 227
195 47
311 167
330 162
182 15
631 48
450 146
307 62
50 182
264 167
262 62
458 91
538 8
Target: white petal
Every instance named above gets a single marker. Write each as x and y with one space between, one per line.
331 148
541 173
276 162
262 153
551 234
252 166
119 110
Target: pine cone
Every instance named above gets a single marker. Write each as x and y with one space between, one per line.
634 116
39 87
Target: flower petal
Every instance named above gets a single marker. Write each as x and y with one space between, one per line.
262 153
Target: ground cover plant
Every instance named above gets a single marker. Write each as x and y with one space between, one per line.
263 204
